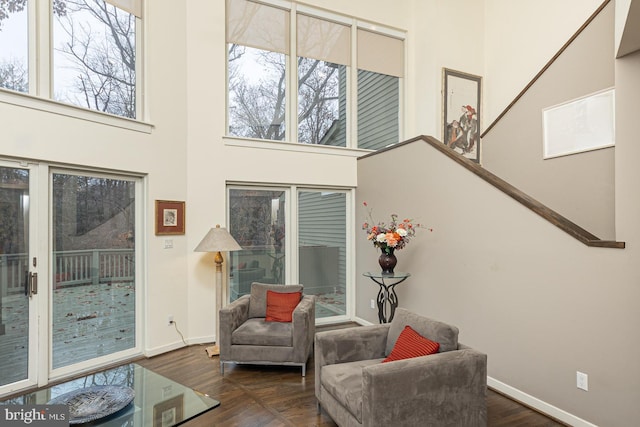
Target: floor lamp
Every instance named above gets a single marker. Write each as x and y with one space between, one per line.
217 240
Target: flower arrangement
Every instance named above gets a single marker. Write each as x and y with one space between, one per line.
391 236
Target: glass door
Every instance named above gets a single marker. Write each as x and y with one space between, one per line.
18 281
94 299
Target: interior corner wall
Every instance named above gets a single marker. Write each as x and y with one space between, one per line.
581 186
443 34
520 37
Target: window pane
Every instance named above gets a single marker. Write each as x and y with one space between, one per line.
257 222
14 267
95 57
256 93
14 46
94 267
322 244
378 110
321 102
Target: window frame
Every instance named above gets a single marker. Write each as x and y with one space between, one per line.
291 214
291 89
40 68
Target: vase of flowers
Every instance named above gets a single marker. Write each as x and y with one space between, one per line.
389 237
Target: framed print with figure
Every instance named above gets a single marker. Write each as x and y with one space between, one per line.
461 104
169 217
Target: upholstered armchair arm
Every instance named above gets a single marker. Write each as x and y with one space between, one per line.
430 390
230 318
348 345
304 328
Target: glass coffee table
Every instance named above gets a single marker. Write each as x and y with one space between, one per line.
157 401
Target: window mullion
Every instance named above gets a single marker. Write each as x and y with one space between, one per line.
40 55
291 113
292 236
352 91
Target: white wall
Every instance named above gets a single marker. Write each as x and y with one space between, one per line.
520 38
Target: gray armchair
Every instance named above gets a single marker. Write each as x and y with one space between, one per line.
444 389
245 336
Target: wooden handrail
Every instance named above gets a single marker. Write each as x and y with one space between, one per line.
545 212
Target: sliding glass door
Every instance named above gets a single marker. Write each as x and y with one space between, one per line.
69 286
93 288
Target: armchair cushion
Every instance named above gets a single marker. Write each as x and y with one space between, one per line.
257 331
258 300
442 333
280 305
411 344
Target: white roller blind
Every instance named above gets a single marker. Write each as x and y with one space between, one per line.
132 6
258 25
380 54
324 40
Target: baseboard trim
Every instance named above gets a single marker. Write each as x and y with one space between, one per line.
537 404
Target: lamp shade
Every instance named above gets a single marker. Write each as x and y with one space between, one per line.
218 239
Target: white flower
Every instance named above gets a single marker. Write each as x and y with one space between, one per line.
402 232
381 237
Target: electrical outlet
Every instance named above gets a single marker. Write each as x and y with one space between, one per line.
170 320
582 381
168 243
373 304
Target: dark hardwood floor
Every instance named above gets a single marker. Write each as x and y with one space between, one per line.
270 396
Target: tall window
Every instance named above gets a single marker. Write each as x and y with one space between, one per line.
14 50
258 46
380 67
306 95
95 57
274 229
94 52
324 53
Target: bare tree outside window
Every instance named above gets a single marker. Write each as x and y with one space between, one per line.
257 97
94 53
319 101
95 57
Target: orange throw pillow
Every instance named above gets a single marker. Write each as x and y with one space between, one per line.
280 305
411 344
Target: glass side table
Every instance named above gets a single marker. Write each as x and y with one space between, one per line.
387 297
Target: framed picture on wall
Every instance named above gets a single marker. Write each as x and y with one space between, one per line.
169 217
461 104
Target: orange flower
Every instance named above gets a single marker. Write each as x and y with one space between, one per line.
392 238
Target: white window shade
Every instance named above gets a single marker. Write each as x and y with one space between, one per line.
258 26
323 40
134 7
380 54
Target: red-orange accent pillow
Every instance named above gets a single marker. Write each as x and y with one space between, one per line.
411 344
280 305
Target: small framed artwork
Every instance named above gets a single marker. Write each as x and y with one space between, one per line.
461 104
169 412
169 217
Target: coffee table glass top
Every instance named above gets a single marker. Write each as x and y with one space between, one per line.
158 401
